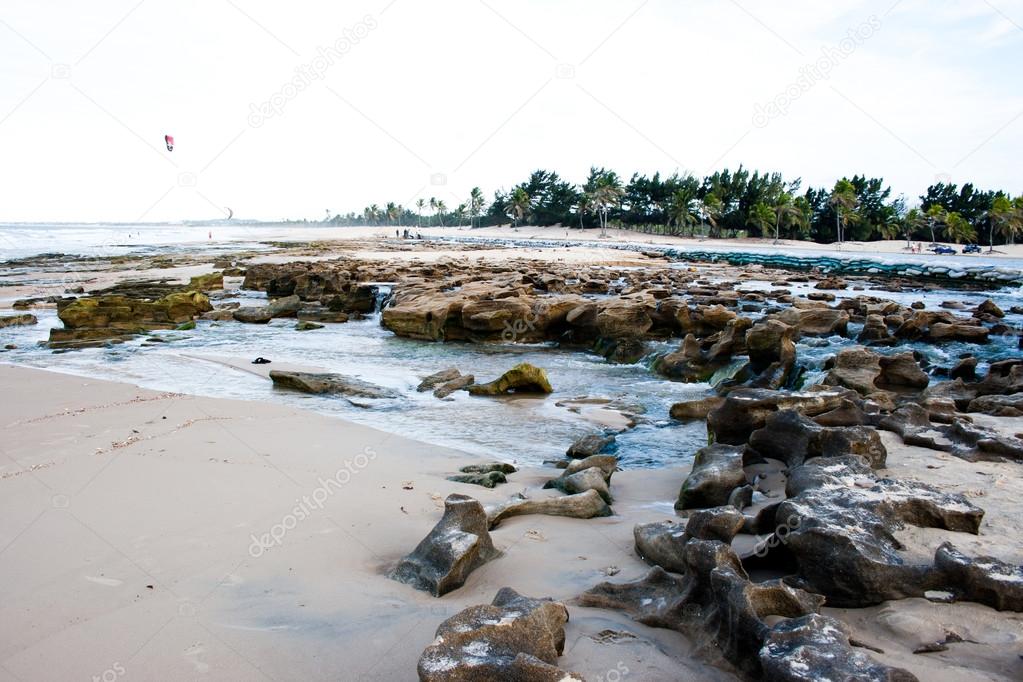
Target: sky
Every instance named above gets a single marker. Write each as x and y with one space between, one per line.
287 110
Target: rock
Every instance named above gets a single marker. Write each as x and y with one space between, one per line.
839 522
988 307
459 544
490 479
688 363
581 481
816 321
462 382
487 467
589 445
875 332
856 368
768 342
608 464
95 319
965 369
714 600
746 409
984 580
515 638
792 438
966 333
717 471
585 505
623 318
306 326
902 371
816 647
695 410
434 380
213 281
831 283
998 405
967 441
252 315
847 413
284 307
523 378
307 382
18 320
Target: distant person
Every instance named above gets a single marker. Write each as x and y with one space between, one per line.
397 234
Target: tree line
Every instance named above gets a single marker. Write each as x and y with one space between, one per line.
725 203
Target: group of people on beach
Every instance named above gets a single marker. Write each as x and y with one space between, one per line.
407 234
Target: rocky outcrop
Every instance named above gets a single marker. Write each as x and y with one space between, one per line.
839 522
714 599
97 319
22 320
913 424
287 306
717 471
816 321
866 372
459 544
523 378
746 409
319 384
513 638
792 438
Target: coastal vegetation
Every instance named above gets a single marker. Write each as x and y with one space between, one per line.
724 204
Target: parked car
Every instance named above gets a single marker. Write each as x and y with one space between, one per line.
942 250
971 248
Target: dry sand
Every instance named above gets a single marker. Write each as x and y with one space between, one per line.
126 548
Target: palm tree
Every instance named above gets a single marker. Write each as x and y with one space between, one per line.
710 209
682 210
518 204
607 193
433 205
936 215
420 203
763 218
843 199
476 202
583 205
440 208
958 228
786 214
459 214
392 212
1004 217
401 212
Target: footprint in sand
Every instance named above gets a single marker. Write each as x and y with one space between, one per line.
193 653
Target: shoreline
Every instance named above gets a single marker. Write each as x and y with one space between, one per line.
123 488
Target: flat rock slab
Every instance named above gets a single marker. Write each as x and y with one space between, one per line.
329 384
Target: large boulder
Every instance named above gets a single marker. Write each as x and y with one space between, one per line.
792 438
816 321
514 638
717 471
523 378
459 544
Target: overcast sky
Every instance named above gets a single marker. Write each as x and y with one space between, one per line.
376 101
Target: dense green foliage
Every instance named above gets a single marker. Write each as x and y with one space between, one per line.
727 203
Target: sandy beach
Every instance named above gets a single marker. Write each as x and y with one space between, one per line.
127 545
